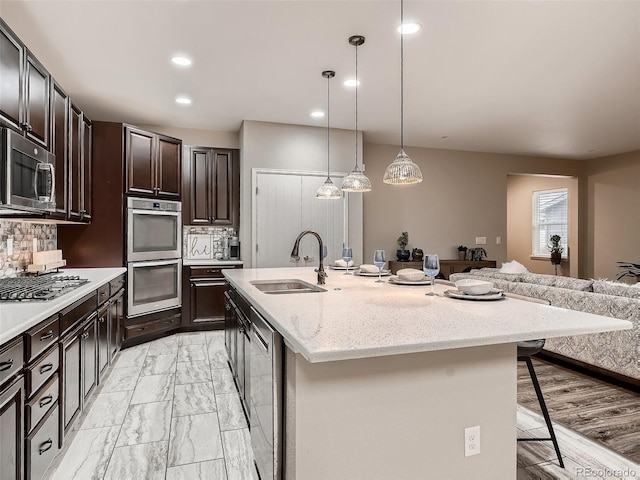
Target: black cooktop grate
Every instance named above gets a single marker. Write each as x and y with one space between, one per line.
38 288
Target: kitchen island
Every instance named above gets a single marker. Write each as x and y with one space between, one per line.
381 380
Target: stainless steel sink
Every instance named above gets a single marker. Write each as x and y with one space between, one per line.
285 286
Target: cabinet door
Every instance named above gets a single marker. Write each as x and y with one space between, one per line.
74 194
140 160
89 349
225 202
169 168
229 328
12 430
71 381
60 143
207 301
36 101
86 152
103 339
201 186
116 324
11 65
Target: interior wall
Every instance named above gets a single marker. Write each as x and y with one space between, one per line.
613 223
520 189
295 147
198 137
463 196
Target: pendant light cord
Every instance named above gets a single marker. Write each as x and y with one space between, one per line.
401 75
356 106
328 80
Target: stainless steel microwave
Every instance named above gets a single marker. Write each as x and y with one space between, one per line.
27 176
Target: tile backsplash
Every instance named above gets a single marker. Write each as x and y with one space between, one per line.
23 234
216 234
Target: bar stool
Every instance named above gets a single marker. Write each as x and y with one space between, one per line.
525 351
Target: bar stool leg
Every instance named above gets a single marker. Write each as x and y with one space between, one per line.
543 406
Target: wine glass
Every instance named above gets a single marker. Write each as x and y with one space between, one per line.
379 259
347 254
431 267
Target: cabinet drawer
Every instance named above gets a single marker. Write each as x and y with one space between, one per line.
208 271
42 370
76 312
37 408
11 359
42 337
42 446
133 331
103 294
116 284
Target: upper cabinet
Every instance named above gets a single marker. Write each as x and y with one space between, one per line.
60 144
24 89
212 177
154 164
79 170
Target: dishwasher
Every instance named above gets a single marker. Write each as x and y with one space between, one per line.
266 397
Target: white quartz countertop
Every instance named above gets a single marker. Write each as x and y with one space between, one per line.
221 263
359 318
18 317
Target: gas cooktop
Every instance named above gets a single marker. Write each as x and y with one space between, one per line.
43 287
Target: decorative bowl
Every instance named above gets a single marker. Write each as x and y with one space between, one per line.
473 287
410 274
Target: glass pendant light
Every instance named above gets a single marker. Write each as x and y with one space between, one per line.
328 191
356 181
402 171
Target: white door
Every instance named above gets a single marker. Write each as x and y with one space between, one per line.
285 205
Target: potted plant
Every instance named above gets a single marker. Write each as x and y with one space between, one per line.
403 254
556 249
462 252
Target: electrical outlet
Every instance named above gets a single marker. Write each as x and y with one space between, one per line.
481 240
9 246
472 441
35 245
498 240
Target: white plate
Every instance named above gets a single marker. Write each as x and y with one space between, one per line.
338 267
492 295
395 280
385 273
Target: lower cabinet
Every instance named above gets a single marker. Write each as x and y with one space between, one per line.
89 349
203 303
103 339
12 430
42 446
116 324
70 380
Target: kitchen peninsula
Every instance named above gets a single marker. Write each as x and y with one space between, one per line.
381 381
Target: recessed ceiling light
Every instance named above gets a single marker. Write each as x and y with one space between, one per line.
351 83
183 100
408 28
182 61
317 114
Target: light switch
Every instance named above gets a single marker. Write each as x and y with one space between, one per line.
10 246
35 245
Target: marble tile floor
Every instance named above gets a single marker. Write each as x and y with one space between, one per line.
169 410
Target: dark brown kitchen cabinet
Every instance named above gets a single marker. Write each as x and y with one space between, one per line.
12 399
71 380
212 178
12 54
89 348
103 339
79 178
36 101
59 145
24 89
203 303
116 324
154 164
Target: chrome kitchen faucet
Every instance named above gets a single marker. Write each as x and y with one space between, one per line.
294 254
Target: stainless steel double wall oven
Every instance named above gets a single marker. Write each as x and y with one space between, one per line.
154 255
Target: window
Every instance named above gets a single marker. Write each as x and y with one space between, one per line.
550 213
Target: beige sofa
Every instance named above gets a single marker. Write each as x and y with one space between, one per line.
617 352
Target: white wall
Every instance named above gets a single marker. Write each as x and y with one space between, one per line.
295 147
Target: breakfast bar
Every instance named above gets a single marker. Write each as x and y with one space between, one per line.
381 381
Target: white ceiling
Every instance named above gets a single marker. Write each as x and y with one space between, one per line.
550 78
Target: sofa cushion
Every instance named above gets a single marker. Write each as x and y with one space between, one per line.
618 289
557 281
489 272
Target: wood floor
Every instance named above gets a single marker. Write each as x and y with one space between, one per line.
598 410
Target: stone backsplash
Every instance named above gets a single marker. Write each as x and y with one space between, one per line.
23 234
